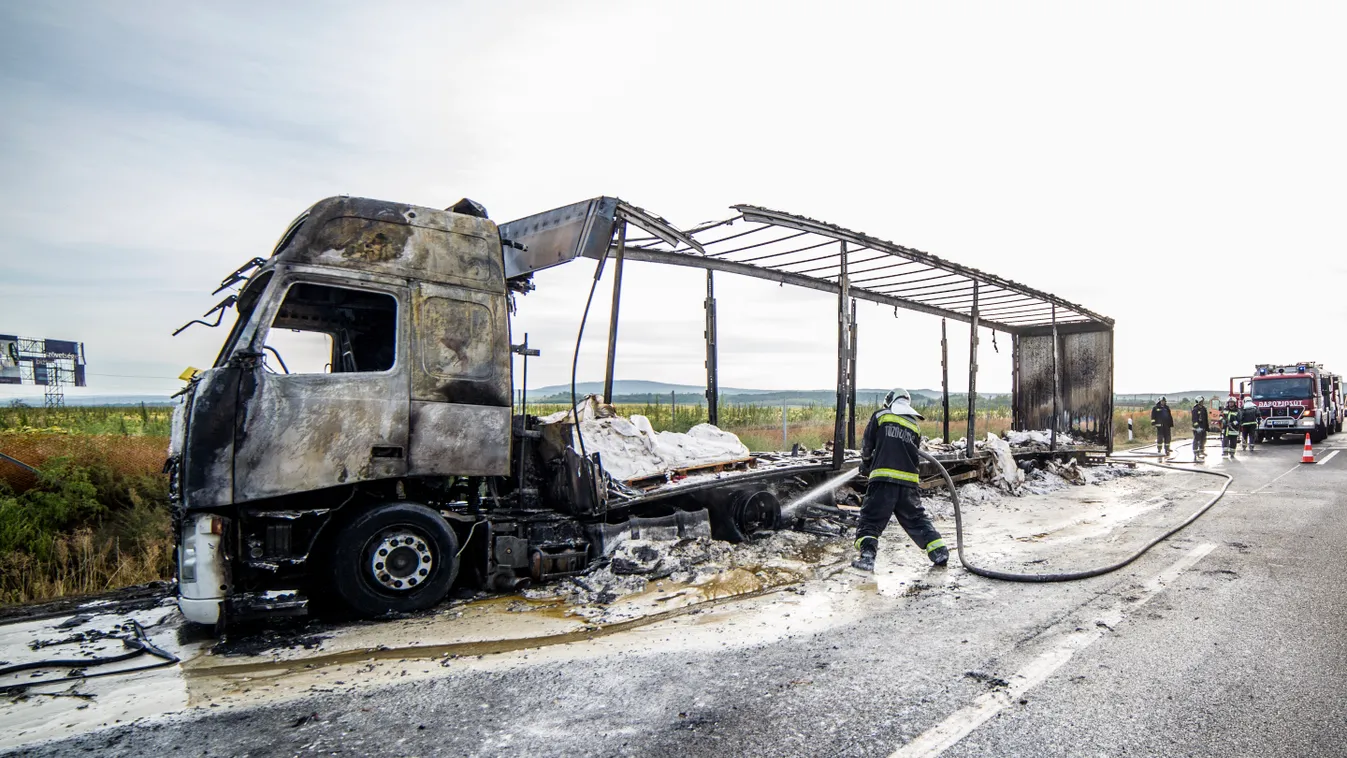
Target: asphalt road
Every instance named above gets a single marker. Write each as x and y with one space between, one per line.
1225 641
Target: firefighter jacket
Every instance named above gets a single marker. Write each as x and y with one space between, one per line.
1161 417
889 453
1230 421
1248 415
1200 418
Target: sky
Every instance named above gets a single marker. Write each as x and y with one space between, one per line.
1175 166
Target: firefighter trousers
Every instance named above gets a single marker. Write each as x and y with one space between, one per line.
885 499
1199 442
1249 434
1162 435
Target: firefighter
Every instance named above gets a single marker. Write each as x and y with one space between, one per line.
1201 424
1248 423
1163 421
1230 422
889 461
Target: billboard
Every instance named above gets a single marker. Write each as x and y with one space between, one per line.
9 360
28 360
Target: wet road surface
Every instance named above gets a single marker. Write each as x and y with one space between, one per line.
1227 640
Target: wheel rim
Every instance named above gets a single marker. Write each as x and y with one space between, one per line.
399 559
756 512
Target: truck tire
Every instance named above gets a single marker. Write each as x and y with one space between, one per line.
397 557
1318 435
745 515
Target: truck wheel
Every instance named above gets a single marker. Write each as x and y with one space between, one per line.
1318 435
397 557
748 514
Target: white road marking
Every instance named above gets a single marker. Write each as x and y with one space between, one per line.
962 722
1326 458
1274 481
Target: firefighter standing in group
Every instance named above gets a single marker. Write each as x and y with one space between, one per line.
1230 423
1248 423
889 461
1201 423
1163 421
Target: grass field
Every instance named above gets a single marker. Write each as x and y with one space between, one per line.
96 515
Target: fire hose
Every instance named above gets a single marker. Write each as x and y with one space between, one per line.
137 645
1072 576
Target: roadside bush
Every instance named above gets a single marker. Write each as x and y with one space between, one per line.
85 527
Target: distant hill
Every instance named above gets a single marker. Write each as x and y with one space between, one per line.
1150 398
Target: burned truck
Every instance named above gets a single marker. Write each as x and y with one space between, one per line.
394 466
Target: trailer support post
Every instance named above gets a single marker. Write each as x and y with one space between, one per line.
973 371
712 359
851 384
1056 383
843 352
612 319
944 377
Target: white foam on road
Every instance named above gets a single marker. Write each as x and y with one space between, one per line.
961 723
83 705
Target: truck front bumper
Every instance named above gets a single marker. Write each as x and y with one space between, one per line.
1280 425
202 575
200 611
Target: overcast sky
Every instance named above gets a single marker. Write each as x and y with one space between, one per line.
1178 167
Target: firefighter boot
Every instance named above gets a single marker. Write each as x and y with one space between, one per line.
866 560
939 556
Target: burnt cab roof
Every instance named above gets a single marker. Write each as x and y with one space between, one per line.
397 239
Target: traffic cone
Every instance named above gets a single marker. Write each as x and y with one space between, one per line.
1308 456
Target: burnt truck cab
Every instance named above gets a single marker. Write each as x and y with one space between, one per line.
403 311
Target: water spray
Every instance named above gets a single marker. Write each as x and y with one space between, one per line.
828 486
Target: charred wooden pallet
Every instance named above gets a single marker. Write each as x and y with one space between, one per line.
738 464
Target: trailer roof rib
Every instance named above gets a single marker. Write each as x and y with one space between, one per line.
802 251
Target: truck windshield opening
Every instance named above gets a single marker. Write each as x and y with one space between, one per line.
1294 388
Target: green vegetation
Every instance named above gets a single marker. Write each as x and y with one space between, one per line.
95 516
152 420
85 527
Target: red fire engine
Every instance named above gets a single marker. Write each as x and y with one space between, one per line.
1293 398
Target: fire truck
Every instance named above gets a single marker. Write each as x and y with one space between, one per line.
1295 398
